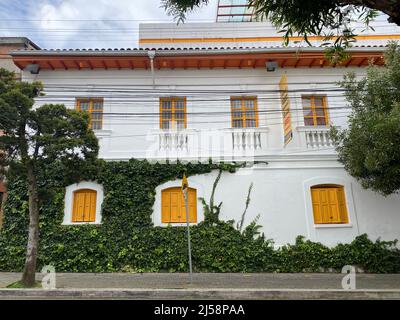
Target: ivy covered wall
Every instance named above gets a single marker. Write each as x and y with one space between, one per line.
127 241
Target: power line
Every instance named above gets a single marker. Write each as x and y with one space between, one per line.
187 91
160 85
149 134
132 93
214 113
126 100
160 76
155 102
156 121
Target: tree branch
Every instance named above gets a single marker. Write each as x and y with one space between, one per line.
389 7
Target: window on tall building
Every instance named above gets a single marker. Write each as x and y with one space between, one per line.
84 205
235 11
244 112
95 109
173 205
173 113
315 111
329 204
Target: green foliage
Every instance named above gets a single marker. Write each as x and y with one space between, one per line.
126 241
42 135
375 257
252 230
211 211
239 225
370 148
180 8
326 18
36 138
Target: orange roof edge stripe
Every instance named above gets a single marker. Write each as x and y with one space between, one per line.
255 39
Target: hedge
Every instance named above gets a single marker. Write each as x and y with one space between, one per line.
126 241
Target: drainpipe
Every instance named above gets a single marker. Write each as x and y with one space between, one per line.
152 54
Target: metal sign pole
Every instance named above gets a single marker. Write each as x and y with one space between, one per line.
185 196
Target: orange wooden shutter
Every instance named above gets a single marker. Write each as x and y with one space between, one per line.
166 207
192 206
334 216
316 203
329 205
92 206
344 218
175 205
79 204
75 209
324 202
192 203
84 206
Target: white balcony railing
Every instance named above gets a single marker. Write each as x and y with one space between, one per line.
316 137
173 140
247 139
215 143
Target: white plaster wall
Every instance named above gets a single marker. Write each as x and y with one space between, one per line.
282 198
124 136
279 194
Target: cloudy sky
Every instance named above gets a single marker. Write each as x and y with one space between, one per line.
86 23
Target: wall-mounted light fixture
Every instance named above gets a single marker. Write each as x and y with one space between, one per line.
271 66
33 68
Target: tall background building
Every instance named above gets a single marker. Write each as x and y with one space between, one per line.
234 11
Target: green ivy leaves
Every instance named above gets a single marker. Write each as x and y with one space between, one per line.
126 241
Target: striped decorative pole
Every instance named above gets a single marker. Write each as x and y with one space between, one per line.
185 187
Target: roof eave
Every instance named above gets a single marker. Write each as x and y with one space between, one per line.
183 52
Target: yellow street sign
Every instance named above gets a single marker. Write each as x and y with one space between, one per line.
185 183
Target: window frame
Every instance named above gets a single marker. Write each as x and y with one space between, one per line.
91 102
313 108
243 110
172 121
340 203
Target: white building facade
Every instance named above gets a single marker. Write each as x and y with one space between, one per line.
229 92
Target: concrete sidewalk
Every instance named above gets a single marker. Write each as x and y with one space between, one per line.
208 286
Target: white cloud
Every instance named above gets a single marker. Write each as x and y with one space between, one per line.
100 23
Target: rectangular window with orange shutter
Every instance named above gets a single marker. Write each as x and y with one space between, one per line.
173 206
329 204
84 206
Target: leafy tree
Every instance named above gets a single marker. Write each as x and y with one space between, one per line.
327 18
34 139
370 147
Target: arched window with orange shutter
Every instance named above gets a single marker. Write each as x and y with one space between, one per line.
173 205
84 205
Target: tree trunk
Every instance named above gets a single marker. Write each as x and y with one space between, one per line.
28 277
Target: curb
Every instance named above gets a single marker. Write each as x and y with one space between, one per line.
202 294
